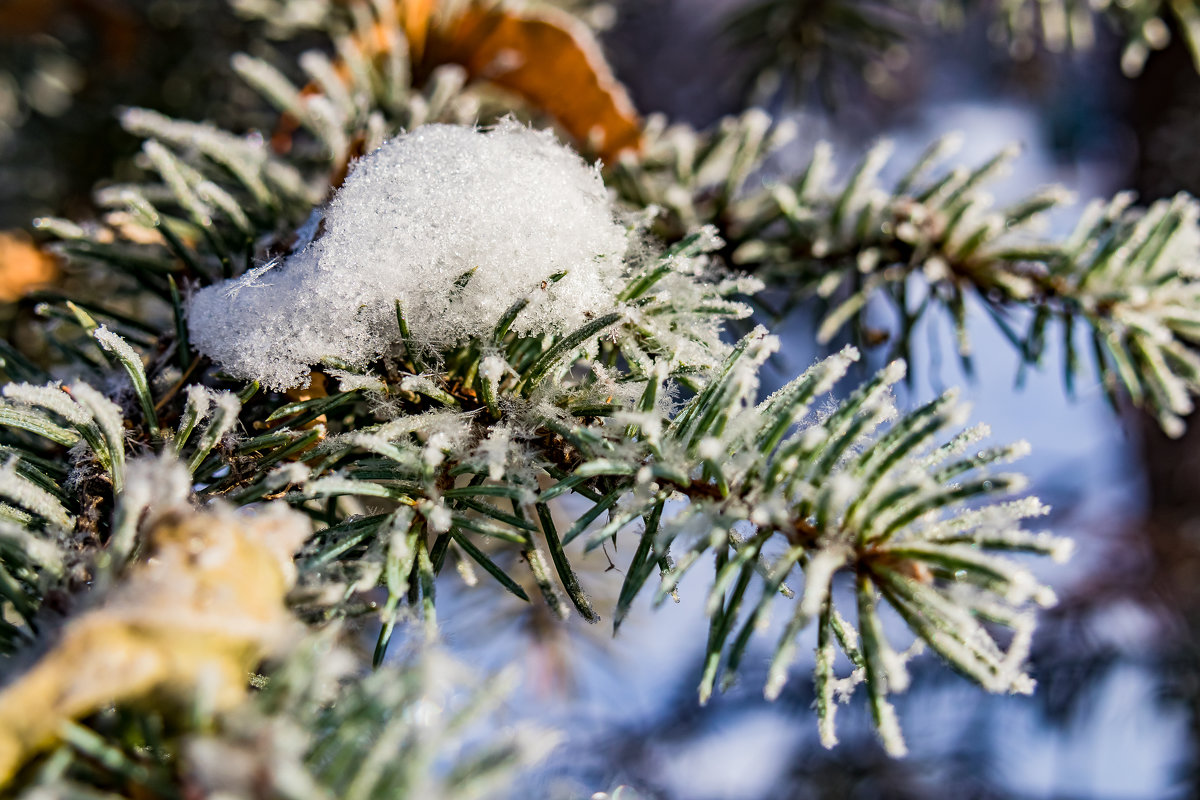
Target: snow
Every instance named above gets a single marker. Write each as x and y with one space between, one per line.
457 224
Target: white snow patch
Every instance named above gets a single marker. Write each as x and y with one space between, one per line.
511 208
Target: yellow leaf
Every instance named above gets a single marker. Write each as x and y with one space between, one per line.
415 16
545 56
23 266
553 61
203 607
317 387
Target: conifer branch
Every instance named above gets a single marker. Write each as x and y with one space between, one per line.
463 446
933 241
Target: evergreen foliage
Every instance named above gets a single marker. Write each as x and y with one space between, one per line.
804 46
828 512
932 241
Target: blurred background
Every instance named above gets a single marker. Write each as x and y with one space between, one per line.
1117 711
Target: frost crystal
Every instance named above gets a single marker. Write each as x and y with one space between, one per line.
50 397
457 224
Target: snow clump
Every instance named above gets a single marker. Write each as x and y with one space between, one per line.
455 223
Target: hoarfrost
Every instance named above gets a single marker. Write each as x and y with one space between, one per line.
50 397
114 344
200 398
105 412
497 450
27 494
455 223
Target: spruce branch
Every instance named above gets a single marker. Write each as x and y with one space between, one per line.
839 497
932 240
464 448
836 495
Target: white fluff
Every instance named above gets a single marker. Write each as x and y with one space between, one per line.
413 218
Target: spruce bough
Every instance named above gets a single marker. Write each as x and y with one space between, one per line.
427 444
